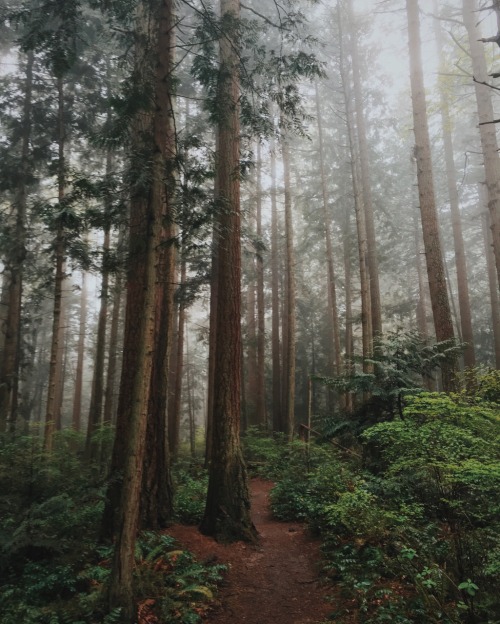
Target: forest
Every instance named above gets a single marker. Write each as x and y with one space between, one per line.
249 311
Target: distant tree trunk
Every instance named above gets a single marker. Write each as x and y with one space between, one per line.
227 512
109 396
190 403
214 285
52 415
349 339
421 312
153 71
77 399
332 290
492 281
250 387
261 327
9 365
364 162
458 239
275 302
366 315
487 130
174 414
435 267
288 400
97 393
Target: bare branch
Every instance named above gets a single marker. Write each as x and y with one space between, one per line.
266 19
485 84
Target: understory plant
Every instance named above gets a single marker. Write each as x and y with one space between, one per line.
411 531
53 570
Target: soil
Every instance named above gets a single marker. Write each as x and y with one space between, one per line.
275 581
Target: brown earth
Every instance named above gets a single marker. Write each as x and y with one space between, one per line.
273 582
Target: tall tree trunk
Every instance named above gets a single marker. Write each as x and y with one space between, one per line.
52 415
157 491
275 302
366 315
153 71
349 339
109 415
492 281
190 403
458 239
289 333
174 414
364 162
10 363
261 328
77 398
250 387
227 512
332 290
487 130
97 393
435 267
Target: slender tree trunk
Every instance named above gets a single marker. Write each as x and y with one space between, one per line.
275 302
332 290
190 402
109 396
366 315
250 386
52 416
97 394
492 281
175 413
289 336
261 327
458 239
364 162
10 363
435 268
227 512
487 130
349 339
214 302
77 399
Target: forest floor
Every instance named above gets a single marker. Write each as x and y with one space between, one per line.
275 581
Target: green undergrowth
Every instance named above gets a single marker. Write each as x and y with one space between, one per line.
53 569
411 528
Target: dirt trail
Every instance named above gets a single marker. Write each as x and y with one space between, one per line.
274 582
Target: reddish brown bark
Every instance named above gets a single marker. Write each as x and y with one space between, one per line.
430 228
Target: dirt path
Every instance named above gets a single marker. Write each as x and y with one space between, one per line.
274 582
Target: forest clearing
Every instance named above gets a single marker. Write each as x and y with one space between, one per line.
249 311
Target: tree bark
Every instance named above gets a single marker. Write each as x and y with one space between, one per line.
492 281
261 327
332 290
109 416
366 315
10 363
275 302
364 164
430 228
487 131
153 71
175 415
458 239
97 393
52 414
289 347
227 512
77 398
